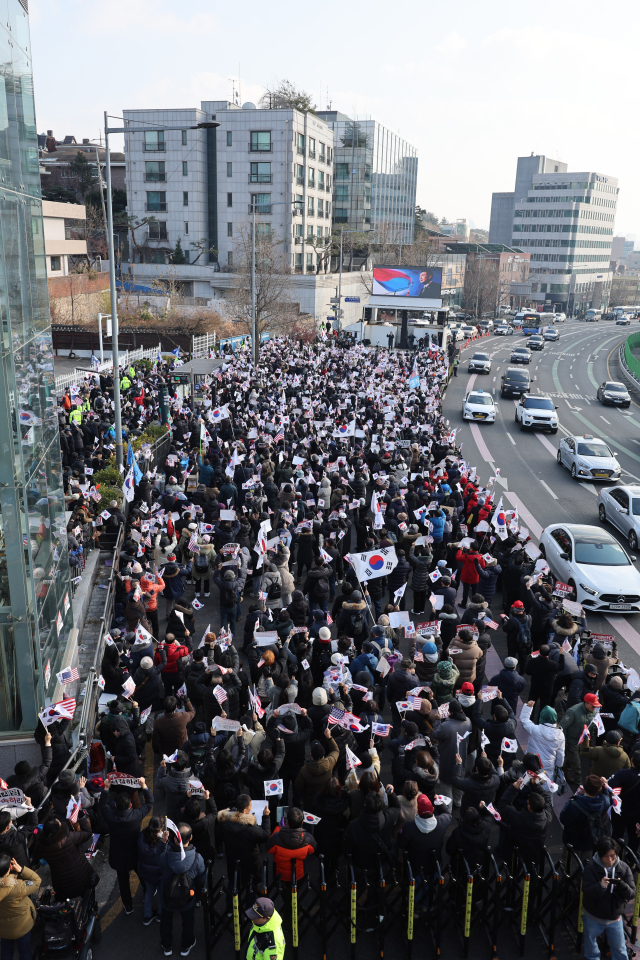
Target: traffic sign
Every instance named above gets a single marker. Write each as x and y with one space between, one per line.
334 300
352 299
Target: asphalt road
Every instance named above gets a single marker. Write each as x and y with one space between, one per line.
569 371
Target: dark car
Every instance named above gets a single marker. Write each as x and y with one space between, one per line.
521 355
614 393
536 342
514 382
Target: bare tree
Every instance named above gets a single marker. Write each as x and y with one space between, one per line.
481 284
202 246
275 310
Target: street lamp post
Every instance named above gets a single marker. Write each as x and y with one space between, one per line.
342 232
205 125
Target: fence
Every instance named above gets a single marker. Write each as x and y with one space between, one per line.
629 362
344 907
200 346
125 358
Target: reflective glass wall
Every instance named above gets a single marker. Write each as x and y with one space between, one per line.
35 605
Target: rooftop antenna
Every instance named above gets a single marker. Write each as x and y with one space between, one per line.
239 86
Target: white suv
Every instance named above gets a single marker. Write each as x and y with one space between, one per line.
537 413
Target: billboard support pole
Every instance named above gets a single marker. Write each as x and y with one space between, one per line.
404 320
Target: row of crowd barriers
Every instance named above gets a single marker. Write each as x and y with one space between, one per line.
444 905
126 358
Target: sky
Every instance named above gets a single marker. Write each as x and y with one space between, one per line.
471 91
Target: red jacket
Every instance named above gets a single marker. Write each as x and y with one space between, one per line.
469 573
292 844
174 652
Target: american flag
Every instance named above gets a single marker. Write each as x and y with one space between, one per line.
492 624
415 702
418 656
336 715
65 708
278 437
68 675
73 810
147 540
329 619
220 695
193 544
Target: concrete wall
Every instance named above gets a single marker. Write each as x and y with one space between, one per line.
76 297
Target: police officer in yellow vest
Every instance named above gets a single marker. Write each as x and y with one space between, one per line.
125 383
266 939
76 416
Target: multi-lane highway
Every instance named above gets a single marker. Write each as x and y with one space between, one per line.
569 371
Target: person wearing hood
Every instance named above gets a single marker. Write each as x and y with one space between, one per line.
420 561
445 681
543 672
470 838
33 780
545 737
607 887
509 682
422 838
296 730
174 585
369 762
465 653
501 724
14 839
291 842
202 825
585 817
426 667
563 678
481 785
317 770
582 682
449 622
149 691
608 758
227 584
113 672
564 628
518 630
371 833
613 702
598 658
445 735
402 680
178 857
573 722
488 577
353 620
478 604
125 824
125 756
299 609
366 661
173 783
541 607
628 782
71 873
526 828
242 837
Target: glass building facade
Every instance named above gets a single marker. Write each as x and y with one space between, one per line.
35 591
374 178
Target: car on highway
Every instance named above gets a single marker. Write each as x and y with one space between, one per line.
480 363
536 342
559 318
486 326
521 355
470 333
588 458
592 561
479 405
613 392
514 382
551 334
620 506
537 413
623 321
503 330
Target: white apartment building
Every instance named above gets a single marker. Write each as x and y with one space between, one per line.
565 220
64 235
200 185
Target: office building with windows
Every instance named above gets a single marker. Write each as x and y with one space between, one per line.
36 616
566 221
375 177
199 185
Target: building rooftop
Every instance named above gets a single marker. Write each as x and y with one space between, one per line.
480 248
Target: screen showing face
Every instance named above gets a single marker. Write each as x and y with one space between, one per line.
424 283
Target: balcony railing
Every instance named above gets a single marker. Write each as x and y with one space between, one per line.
312 154
155 177
321 158
300 150
299 239
156 207
300 181
154 147
163 236
260 208
311 183
260 178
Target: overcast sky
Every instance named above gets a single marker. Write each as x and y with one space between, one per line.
471 85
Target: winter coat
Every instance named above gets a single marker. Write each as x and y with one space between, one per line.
629 782
475 788
495 730
315 773
287 844
422 840
444 687
510 684
466 660
426 668
124 830
543 672
33 784
470 841
149 685
71 872
256 774
172 862
564 633
295 742
545 739
371 834
399 576
170 730
574 720
606 759
173 784
125 755
606 905
17 911
488 579
580 685
574 817
448 626
148 869
298 608
473 609
420 579
349 613
444 734
174 653
399 683
469 574
242 837
527 830
601 662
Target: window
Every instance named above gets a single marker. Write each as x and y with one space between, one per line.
184 138
230 258
185 198
310 206
260 140
309 231
319 232
299 261
312 147
156 200
154 170
563 540
309 261
35 226
300 174
342 171
342 191
229 199
260 173
153 140
299 230
55 264
263 230
321 152
157 256
320 179
312 177
158 230
262 202
229 169
185 168
186 227
229 229
320 207
300 143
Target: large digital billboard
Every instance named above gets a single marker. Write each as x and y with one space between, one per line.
417 283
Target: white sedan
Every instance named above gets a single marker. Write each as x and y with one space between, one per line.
623 321
592 561
479 406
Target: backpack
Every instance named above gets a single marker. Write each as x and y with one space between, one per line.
227 596
357 622
202 563
274 592
178 892
630 717
322 588
596 828
523 638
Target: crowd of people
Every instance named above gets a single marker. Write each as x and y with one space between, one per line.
354 571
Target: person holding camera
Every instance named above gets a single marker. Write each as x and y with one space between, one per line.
607 886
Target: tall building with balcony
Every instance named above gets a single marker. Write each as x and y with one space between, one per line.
566 221
375 177
36 615
199 186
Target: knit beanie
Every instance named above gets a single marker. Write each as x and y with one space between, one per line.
444 668
319 697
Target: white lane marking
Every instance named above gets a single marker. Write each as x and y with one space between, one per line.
511 438
547 443
605 419
480 444
588 487
524 514
548 489
625 630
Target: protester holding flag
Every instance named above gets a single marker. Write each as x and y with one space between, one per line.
125 823
575 725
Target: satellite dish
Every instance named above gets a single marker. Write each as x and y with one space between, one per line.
248 105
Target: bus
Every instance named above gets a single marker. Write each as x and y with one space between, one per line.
593 316
631 311
530 320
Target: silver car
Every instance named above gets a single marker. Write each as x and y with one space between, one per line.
480 363
588 458
620 506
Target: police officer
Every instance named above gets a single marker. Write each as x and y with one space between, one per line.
266 939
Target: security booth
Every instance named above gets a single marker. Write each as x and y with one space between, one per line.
187 377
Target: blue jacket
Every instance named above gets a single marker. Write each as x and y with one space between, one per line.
509 683
148 869
574 818
438 526
205 473
366 661
488 579
170 862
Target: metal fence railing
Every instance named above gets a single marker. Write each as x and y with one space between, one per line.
201 346
127 356
632 362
